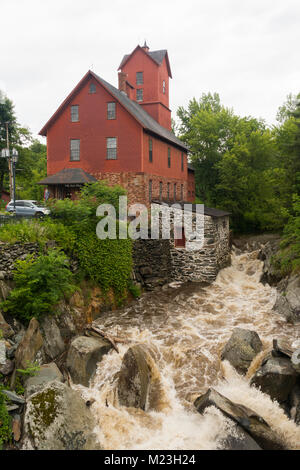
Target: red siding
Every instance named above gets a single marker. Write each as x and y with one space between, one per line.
92 129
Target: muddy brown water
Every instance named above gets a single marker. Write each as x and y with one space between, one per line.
185 328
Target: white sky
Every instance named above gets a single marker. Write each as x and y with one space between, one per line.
246 50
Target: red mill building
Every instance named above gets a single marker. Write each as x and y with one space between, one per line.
120 135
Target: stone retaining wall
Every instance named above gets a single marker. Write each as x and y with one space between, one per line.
9 254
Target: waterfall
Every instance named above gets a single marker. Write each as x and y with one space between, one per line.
185 328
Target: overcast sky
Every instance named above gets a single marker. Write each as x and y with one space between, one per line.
246 50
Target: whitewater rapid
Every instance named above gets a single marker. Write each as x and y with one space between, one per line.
185 329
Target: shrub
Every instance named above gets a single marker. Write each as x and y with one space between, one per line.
39 284
5 422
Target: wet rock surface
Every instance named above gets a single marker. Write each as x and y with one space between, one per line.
47 373
83 356
276 377
134 378
241 349
247 419
57 418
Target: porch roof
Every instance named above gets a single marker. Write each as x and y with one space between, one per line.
69 176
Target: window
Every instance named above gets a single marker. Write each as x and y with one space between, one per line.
169 157
150 151
182 161
164 87
75 113
74 150
160 190
139 94
150 190
92 88
168 191
181 193
111 110
174 191
111 148
139 78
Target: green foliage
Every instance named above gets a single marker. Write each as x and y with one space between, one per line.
287 259
38 231
5 421
31 369
237 163
39 284
33 162
134 290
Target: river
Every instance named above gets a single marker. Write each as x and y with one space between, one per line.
185 328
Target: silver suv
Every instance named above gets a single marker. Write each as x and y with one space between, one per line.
28 207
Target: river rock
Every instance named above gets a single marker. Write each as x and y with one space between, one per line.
241 349
47 373
57 418
83 357
276 377
134 378
7 368
53 342
6 329
252 423
288 300
295 360
238 440
29 346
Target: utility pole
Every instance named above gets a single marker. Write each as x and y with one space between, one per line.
11 184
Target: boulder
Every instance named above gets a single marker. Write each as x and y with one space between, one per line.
2 352
241 349
53 343
4 290
7 368
57 418
238 440
247 419
295 360
83 356
47 373
288 300
29 346
6 329
134 378
276 377
13 397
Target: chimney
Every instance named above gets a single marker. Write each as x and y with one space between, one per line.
145 47
122 82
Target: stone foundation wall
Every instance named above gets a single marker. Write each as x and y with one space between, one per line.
157 262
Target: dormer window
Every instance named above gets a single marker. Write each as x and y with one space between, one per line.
164 87
75 113
92 88
139 94
139 78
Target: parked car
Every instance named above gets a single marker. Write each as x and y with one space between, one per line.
28 207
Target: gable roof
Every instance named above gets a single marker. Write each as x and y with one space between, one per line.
156 56
145 120
69 176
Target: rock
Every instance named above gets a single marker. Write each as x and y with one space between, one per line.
295 404
6 329
11 408
53 342
7 368
295 360
29 346
288 300
276 377
270 273
14 397
238 440
16 427
241 349
4 290
281 349
47 373
83 357
57 418
2 352
134 378
252 423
